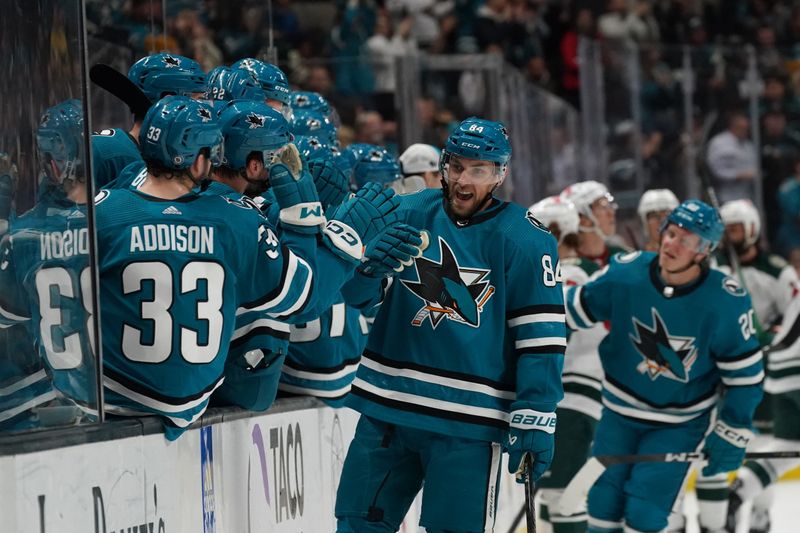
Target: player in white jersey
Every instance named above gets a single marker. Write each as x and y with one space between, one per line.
580 409
654 206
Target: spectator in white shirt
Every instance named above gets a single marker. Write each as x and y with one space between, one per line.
732 160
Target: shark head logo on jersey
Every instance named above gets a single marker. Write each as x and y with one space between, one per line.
449 290
665 355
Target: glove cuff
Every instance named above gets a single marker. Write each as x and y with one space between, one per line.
343 241
307 215
738 437
530 419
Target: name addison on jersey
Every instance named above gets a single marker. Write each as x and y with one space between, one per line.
172 237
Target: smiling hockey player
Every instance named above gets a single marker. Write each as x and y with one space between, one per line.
465 353
678 331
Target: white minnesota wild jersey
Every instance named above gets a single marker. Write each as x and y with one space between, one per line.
783 356
583 371
771 282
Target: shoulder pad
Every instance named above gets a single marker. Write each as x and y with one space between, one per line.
535 222
626 257
102 195
106 133
733 287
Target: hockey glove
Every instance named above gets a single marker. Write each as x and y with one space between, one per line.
295 193
393 250
331 183
530 432
359 220
725 448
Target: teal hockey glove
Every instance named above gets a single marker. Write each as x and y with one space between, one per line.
530 432
725 448
294 191
393 250
359 220
332 184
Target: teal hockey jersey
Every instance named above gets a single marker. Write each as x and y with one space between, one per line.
474 325
174 275
670 348
112 151
45 284
324 354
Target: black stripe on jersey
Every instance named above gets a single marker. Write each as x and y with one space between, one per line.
672 405
535 310
429 411
586 310
487 214
583 376
790 338
503 387
262 330
538 350
277 290
322 369
155 395
742 357
583 390
185 199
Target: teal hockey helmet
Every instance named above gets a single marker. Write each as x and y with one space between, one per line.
313 123
272 79
477 138
248 127
59 139
158 75
310 100
373 163
176 129
699 218
226 84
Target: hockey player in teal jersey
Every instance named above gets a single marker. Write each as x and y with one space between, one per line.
44 276
273 81
679 331
156 75
465 354
324 353
177 266
772 283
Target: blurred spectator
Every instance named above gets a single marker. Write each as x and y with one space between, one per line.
769 58
492 26
286 24
385 47
195 39
570 79
537 72
641 25
788 241
370 128
353 75
780 147
426 16
526 33
731 158
612 25
777 97
447 38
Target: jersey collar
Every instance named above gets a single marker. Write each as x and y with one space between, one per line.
495 207
679 290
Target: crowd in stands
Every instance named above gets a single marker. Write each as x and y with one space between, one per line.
361 39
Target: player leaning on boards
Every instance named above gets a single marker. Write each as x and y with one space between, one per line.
678 331
465 353
177 266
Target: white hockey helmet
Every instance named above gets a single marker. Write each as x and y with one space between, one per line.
742 212
656 200
419 158
583 194
556 210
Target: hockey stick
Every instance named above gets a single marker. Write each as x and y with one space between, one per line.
119 85
578 488
527 510
530 492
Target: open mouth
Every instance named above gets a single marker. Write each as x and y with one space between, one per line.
463 196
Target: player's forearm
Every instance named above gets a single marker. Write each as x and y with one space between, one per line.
539 380
740 404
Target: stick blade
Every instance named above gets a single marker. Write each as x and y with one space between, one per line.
118 84
575 494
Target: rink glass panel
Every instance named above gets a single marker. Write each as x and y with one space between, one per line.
47 360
